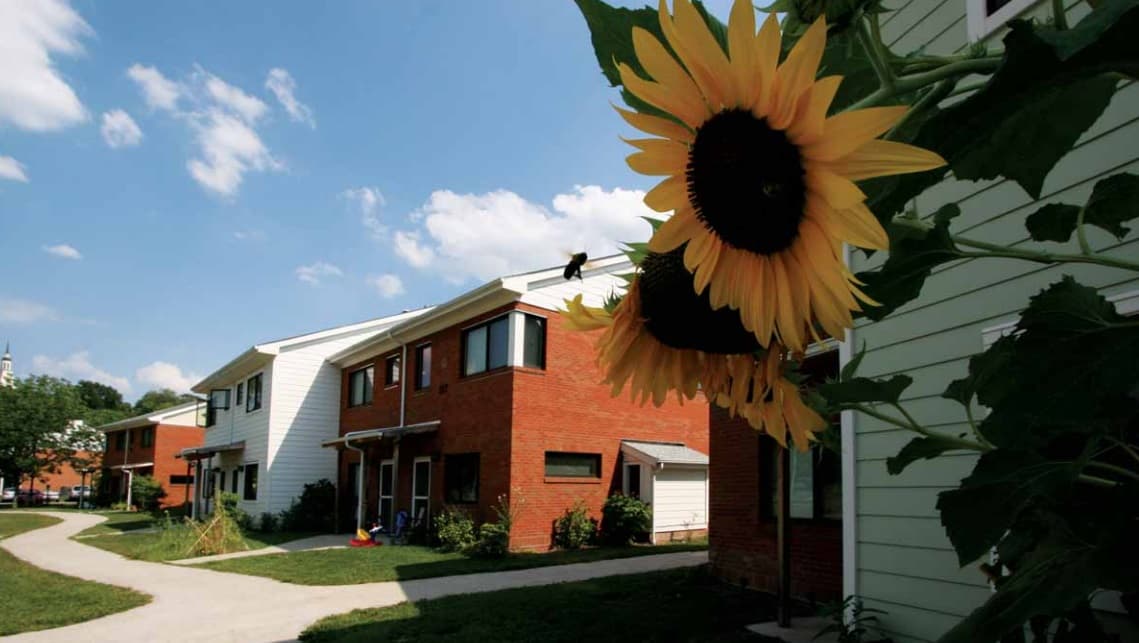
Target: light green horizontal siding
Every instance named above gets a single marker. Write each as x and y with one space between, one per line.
905 564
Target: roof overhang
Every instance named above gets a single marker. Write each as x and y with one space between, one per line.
150 418
251 360
661 454
136 465
200 453
373 435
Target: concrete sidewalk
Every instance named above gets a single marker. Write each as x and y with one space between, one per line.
325 541
193 604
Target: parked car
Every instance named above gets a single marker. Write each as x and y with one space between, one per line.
8 495
71 494
31 497
51 495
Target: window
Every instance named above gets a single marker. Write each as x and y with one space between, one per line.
422 367
573 465
147 437
391 371
120 440
240 393
632 485
181 480
987 16
534 342
461 478
421 490
486 346
219 401
233 483
360 386
250 477
221 480
253 393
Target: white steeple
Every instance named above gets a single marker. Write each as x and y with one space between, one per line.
7 377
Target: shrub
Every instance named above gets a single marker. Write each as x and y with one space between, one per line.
270 522
146 492
493 542
119 506
625 519
313 511
454 530
228 502
575 529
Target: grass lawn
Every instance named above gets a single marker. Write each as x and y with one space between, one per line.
34 599
151 546
370 565
118 522
677 605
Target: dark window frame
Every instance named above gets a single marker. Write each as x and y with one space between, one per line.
392 370
594 456
234 484
181 479
253 401
121 441
464 339
239 394
526 317
146 437
368 391
249 482
456 465
422 377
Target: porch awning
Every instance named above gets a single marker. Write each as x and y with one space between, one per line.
199 453
663 453
370 435
135 465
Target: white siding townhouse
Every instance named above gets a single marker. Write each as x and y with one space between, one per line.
269 410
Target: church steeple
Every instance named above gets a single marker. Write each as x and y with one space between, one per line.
7 377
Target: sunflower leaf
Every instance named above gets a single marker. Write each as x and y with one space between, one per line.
1053 222
611 30
1114 200
860 390
925 448
851 367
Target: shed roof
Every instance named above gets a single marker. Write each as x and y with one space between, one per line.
657 453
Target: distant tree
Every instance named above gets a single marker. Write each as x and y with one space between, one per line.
98 396
159 399
37 425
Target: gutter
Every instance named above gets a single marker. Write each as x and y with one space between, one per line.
360 475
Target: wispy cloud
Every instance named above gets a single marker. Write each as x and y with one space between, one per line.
12 170
281 83
78 366
368 201
387 285
314 272
120 130
249 108
158 91
249 235
63 250
23 311
33 94
166 375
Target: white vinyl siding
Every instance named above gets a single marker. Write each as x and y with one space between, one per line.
680 499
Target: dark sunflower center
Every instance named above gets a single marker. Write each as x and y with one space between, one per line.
679 318
745 181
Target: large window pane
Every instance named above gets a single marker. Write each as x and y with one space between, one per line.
499 340
422 478
476 351
461 478
534 342
423 366
573 465
250 482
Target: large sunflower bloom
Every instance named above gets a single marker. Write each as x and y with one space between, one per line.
663 338
760 181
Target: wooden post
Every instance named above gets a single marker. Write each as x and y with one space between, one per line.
783 540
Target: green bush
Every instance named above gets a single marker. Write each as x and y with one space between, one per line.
146 492
270 522
493 542
575 529
625 520
228 502
314 510
454 530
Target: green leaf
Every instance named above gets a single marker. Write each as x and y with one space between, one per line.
912 259
1048 90
851 367
863 389
918 449
985 370
611 30
1053 222
1114 201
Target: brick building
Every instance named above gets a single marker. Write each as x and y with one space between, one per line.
742 534
148 445
498 397
66 475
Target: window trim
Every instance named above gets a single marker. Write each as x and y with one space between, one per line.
245 480
250 405
146 437
447 477
420 385
981 25
545 340
625 468
426 499
546 465
464 334
239 393
390 374
369 392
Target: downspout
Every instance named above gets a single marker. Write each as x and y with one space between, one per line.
361 473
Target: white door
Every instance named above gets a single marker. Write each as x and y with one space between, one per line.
421 489
387 484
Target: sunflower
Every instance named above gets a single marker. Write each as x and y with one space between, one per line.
664 337
760 181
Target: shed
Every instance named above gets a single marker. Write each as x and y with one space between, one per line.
673 479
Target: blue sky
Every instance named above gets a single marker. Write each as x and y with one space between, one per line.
179 181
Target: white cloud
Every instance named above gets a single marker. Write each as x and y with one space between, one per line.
281 83
22 311
369 200
314 272
387 285
249 108
120 130
229 148
498 233
78 366
33 95
63 250
12 169
158 91
249 235
166 375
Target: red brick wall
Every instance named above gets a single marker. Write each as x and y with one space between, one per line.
169 440
742 544
66 476
511 417
567 408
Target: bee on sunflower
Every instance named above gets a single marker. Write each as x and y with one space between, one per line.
759 180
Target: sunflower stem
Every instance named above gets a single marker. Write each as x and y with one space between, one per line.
971 87
1127 473
1096 481
1059 17
910 425
872 43
973 425
993 250
925 103
1081 236
1126 447
913 82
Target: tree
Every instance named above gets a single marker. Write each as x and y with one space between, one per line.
36 421
160 399
96 396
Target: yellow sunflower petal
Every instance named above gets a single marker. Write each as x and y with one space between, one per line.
797 73
700 53
808 125
845 132
787 317
884 158
839 192
578 316
741 48
676 231
767 46
656 125
660 157
670 194
863 227
659 97
664 69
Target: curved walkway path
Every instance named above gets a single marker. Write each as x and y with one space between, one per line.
202 605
